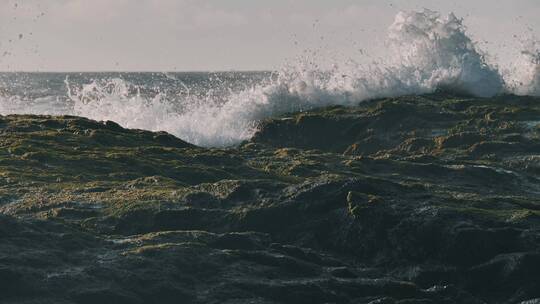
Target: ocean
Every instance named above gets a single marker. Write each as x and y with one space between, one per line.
429 52
418 183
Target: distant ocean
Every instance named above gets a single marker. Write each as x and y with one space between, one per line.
430 52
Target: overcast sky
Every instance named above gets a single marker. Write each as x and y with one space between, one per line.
187 35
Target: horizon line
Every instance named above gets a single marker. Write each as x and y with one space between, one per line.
141 71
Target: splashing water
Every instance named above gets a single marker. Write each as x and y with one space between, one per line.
435 52
114 100
427 52
524 77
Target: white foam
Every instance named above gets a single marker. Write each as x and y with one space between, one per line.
113 100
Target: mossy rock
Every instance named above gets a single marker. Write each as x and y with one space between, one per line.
428 199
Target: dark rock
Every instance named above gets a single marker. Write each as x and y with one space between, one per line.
508 272
415 199
463 139
470 246
106 296
342 272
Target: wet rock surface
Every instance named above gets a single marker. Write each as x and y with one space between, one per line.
424 199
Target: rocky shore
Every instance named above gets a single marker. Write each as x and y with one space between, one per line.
419 199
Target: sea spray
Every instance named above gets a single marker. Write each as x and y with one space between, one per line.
435 52
427 52
120 101
523 78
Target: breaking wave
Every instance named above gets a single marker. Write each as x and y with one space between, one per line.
427 52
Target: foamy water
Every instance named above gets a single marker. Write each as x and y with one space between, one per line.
427 52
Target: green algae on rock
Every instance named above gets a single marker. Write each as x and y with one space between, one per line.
418 199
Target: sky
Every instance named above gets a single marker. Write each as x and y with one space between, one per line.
217 35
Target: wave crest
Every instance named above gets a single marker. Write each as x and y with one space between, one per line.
435 52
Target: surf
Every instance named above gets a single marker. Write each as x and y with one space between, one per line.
427 52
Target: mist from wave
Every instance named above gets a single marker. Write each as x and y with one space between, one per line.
427 52
523 77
